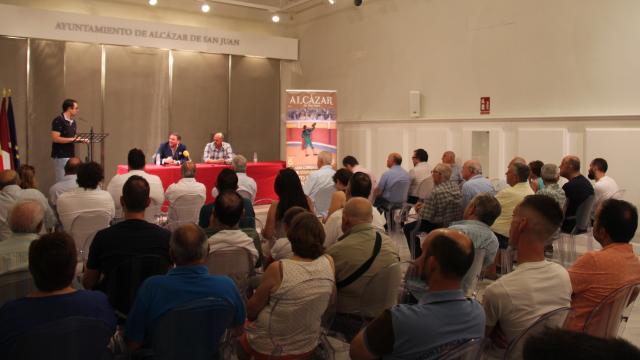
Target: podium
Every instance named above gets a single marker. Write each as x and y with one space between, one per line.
91 138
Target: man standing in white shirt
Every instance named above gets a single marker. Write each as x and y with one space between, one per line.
186 186
246 184
135 160
88 197
67 183
536 286
420 172
605 187
320 180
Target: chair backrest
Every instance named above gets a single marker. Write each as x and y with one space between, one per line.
583 215
244 193
606 317
458 350
322 200
193 330
125 279
470 279
71 338
236 263
186 208
425 188
152 211
381 291
401 188
301 312
554 319
14 285
85 226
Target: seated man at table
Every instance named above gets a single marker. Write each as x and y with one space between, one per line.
187 186
443 316
52 264
135 161
597 274
172 152
217 151
246 184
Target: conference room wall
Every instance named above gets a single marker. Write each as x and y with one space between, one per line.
13 75
199 98
136 102
254 123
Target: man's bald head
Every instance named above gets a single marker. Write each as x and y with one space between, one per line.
324 158
394 159
453 253
518 160
9 177
71 167
26 217
471 168
189 245
358 210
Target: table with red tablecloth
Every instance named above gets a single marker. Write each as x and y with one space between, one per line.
264 173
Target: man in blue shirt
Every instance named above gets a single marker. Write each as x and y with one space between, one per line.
474 183
52 264
442 318
393 186
188 281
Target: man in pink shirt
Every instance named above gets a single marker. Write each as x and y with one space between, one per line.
597 274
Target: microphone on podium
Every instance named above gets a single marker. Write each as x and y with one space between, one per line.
186 154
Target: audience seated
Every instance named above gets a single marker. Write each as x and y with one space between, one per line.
281 248
188 281
478 217
295 322
52 263
549 173
339 197
87 197
318 181
132 237
420 172
536 286
577 190
136 161
246 184
184 187
25 221
394 184
535 176
354 250
441 208
226 216
228 180
289 190
570 345
605 187
359 186
27 175
518 180
444 315
449 158
67 183
10 193
596 274
351 163
474 182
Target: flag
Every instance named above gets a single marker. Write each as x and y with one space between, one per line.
13 144
5 155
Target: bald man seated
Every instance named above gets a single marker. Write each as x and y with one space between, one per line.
26 221
217 151
394 183
351 254
443 315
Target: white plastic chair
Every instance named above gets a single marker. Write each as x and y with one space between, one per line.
14 285
557 318
322 200
471 278
609 318
236 263
84 227
425 188
244 193
151 213
186 208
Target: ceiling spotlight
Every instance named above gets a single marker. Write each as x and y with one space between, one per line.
205 8
153 2
275 18
332 2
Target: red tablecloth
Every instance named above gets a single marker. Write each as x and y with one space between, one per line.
264 173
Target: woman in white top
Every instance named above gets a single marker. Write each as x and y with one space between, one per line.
281 248
286 309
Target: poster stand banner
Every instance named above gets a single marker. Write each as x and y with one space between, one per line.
311 128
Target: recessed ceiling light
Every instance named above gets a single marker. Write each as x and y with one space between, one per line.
332 2
275 18
205 8
153 2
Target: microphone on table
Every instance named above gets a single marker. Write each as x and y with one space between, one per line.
186 154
